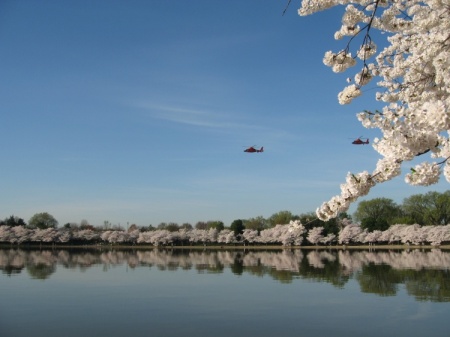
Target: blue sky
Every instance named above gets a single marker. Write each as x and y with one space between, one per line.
139 112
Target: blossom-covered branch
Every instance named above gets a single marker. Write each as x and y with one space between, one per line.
414 77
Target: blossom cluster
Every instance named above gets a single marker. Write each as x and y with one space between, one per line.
413 72
423 174
355 186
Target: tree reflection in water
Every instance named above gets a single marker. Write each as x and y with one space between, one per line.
425 274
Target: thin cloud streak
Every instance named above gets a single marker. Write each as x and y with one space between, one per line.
193 117
227 183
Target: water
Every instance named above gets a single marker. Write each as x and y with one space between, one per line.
224 293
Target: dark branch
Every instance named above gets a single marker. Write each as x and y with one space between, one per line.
289 2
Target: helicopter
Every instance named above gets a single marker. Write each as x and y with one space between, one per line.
253 149
360 141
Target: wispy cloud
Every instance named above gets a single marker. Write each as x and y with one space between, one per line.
241 124
194 117
231 182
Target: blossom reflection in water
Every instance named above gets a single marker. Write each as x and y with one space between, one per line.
424 273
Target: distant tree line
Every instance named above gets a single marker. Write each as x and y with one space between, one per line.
292 234
378 220
45 220
430 209
39 220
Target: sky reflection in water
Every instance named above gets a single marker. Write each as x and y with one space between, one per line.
224 293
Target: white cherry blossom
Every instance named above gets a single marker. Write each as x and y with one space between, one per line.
413 74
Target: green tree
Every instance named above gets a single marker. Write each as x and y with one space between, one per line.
172 227
186 225
372 224
432 208
132 228
416 207
42 221
147 228
201 225
162 225
215 224
381 279
40 270
84 224
13 221
310 220
378 208
259 223
281 218
237 226
72 226
403 220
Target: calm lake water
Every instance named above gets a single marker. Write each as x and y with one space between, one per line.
224 293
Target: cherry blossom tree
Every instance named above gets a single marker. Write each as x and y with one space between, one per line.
161 237
292 234
373 237
5 234
412 234
438 234
85 235
133 235
212 235
144 237
183 235
226 236
315 235
198 235
105 235
329 239
270 235
350 233
44 235
21 234
413 73
250 235
64 236
393 234
115 236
